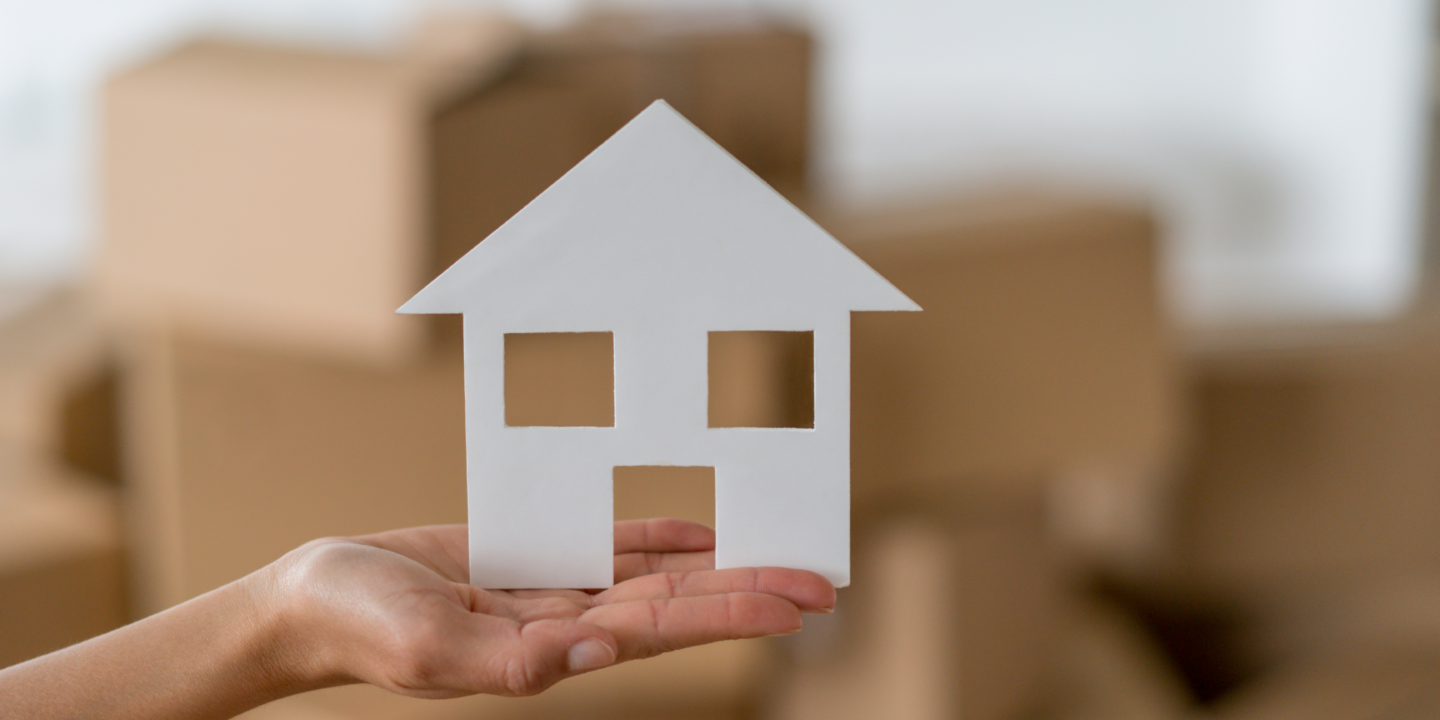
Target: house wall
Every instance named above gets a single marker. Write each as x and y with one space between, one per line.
541 498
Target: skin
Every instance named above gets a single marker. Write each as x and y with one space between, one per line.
394 610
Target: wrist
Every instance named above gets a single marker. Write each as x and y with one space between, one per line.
215 656
281 642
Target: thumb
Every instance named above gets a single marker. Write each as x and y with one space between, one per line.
549 651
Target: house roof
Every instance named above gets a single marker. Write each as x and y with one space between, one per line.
658 221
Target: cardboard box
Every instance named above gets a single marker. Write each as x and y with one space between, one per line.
237 456
493 153
281 196
947 618
1043 346
57 385
61 573
1397 682
742 78
294 199
1310 498
1315 469
1112 666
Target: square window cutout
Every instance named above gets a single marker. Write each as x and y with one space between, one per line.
762 379
560 379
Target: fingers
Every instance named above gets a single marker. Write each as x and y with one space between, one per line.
474 652
521 643
646 628
641 547
662 535
807 591
661 545
549 651
633 565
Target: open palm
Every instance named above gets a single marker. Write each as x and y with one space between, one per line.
395 609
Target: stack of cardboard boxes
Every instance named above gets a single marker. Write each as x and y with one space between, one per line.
1311 516
270 208
1043 347
267 209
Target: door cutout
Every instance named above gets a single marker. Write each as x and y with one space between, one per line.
651 491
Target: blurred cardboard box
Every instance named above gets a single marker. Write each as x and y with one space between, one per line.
946 619
61 573
1043 346
1111 666
1311 497
294 199
742 77
491 154
57 396
281 196
1398 683
236 456
1315 468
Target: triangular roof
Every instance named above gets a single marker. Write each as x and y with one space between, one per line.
658 221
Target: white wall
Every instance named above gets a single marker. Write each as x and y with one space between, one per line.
1282 138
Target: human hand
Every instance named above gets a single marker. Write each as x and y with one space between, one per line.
395 610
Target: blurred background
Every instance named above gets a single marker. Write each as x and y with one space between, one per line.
1165 442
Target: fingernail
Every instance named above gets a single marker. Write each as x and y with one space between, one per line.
588 655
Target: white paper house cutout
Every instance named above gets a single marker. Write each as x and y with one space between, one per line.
659 236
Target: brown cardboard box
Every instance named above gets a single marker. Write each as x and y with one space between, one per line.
1315 468
492 153
57 383
1311 499
236 456
1042 346
295 198
744 79
281 196
1396 683
61 578
1112 667
946 619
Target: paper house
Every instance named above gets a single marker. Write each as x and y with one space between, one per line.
658 237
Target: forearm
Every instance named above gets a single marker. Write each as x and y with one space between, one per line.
213 657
